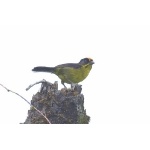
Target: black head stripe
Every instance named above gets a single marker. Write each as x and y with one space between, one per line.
82 61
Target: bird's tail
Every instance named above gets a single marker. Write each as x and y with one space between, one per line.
43 69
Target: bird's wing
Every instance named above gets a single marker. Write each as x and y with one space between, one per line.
70 65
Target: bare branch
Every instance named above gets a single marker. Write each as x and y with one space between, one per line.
27 101
42 81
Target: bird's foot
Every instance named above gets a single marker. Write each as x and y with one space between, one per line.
76 87
73 85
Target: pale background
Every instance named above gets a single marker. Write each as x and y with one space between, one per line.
116 34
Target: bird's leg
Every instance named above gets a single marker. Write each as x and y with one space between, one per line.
73 85
77 88
63 84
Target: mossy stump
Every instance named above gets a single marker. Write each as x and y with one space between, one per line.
65 106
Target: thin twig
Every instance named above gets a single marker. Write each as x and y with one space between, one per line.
42 81
27 102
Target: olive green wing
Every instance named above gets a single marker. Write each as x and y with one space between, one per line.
68 73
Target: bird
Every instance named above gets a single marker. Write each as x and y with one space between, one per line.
70 73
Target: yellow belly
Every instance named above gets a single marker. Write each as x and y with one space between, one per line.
71 75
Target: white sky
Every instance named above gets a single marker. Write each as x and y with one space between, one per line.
116 34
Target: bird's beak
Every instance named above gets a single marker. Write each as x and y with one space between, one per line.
92 62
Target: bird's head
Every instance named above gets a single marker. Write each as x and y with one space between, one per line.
86 61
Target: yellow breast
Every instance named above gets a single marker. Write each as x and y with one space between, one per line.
73 75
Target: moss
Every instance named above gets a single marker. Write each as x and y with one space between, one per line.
83 119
